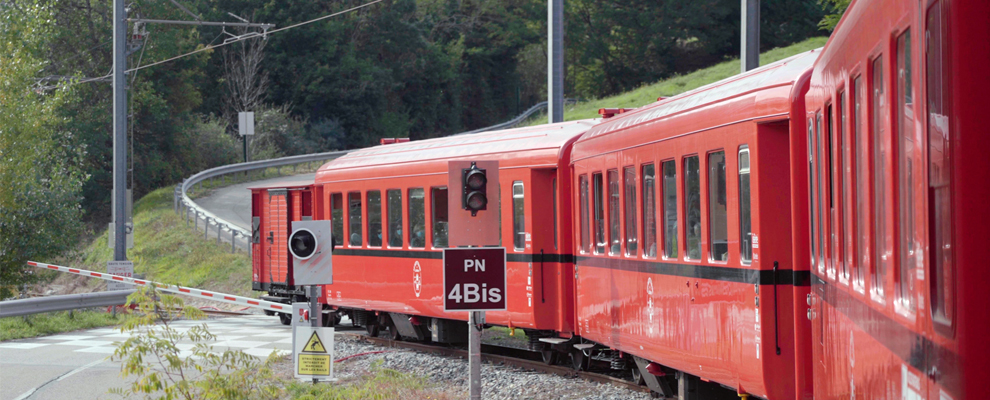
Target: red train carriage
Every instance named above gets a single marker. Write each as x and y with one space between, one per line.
683 235
388 206
273 208
898 170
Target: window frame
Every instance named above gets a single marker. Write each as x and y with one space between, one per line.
687 214
368 222
877 132
434 232
630 230
409 223
747 170
713 182
598 241
645 222
670 250
350 217
516 234
387 239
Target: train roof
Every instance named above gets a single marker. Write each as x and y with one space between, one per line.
781 73
282 185
531 146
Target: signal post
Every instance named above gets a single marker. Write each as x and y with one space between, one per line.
474 277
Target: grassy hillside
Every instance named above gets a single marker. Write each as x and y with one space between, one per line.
676 85
166 250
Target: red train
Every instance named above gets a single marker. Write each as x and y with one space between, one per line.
803 230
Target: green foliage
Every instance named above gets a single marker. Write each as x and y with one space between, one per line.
835 9
165 249
55 322
378 383
152 356
39 167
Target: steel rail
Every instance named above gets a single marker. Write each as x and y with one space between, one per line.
36 305
508 356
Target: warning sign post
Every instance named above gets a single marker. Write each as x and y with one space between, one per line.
312 353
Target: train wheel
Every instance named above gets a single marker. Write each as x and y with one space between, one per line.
580 361
550 356
285 319
373 329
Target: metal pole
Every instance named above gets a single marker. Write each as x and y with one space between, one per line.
315 313
475 320
750 35
119 131
555 68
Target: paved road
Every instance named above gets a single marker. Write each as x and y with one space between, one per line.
233 203
76 365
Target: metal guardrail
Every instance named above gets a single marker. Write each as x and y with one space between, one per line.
35 305
185 205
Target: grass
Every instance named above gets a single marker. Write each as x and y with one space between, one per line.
377 383
679 84
57 322
167 250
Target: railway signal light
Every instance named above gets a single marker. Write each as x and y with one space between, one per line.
475 184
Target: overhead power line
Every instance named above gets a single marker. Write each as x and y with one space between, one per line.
235 40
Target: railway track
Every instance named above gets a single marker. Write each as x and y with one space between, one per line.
505 356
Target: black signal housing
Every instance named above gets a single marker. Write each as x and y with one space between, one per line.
475 189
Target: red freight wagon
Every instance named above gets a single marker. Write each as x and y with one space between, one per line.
389 205
272 210
682 236
897 149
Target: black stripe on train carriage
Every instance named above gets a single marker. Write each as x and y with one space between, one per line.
906 344
716 273
438 255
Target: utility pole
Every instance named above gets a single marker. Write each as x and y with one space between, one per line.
555 55
750 35
120 20
119 130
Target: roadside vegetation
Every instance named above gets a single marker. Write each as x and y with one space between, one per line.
673 86
56 322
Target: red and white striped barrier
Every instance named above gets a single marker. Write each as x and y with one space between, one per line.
202 294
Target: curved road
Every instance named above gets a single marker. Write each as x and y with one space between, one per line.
233 203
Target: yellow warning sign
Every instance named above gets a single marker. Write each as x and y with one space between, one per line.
314 345
314 364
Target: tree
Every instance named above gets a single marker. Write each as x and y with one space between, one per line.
246 83
835 10
39 167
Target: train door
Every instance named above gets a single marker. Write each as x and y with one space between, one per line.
278 227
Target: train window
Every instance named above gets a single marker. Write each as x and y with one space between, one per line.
718 232
818 193
518 216
554 194
941 259
354 218
692 207
394 204
632 241
906 149
374 218
599 217
862 173
745 219
438 195
880 194
811 187
844 205
649 211
417 218
585 236
337 217
833 195
615 241
670 209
